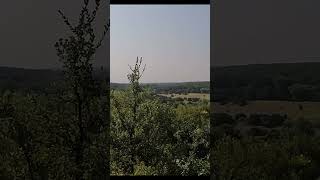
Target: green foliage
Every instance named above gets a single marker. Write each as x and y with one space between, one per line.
269 149
151 137
142 170
61 132
251 159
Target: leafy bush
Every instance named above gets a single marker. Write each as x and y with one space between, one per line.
285 158
150 137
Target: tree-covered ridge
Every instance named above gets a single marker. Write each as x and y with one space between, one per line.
20 79
289 81
36 80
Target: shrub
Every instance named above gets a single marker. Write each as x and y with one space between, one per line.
254 119
255 131
222 118
273 120
240 116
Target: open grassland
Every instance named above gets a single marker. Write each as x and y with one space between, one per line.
294 110
189 95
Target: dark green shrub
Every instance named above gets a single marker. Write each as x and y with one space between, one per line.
255 131
255 119
240 116
273 120
222 118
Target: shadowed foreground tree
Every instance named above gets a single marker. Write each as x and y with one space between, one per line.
76 52
60 134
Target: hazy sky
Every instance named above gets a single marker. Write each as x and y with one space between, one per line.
265 31
30 28
243 32
174 41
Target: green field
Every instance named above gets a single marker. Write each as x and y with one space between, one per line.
189 95
294 110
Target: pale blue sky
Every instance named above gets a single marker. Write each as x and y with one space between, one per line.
174 41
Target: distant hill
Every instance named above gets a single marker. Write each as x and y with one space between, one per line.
294 81
23 79
309 72
172 87
37 80
290 81
33 79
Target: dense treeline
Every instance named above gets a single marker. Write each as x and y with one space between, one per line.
39 137
292 82
236 83
152 137
170 88
38 81
262 146
19 79
180 88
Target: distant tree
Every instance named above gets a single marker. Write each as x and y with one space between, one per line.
301 92
300 107
281 88
179 99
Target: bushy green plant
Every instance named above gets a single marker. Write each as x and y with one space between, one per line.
154 137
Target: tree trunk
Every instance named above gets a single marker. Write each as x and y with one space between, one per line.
80 143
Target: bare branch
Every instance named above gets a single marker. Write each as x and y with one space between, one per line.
106 29
144 68
130 68
66 21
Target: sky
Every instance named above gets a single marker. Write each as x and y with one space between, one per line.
173 40
265 31
30 28
242 32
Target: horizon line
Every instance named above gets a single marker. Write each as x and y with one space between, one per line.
211 65
248 64
162 82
